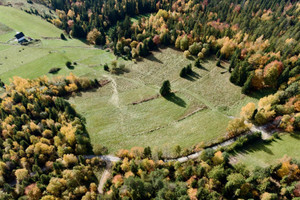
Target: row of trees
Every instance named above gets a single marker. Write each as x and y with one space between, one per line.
209 177
280 110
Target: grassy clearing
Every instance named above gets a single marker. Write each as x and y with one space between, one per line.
114 122
135 19
36 60
31 25
24 5
262 154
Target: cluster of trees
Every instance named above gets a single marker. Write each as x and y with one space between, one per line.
280 110
258 37
186 71
261 54
91 18
209 177
42 140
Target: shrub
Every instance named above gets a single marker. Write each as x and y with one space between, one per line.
195 48
63 37
236 127
187 54
54 70
69 64
106 68
200 55
1 83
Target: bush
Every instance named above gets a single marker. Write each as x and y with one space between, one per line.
1 83
187 54
63 37
54 70
106 68
69 64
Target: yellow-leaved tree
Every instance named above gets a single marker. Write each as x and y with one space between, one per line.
248 110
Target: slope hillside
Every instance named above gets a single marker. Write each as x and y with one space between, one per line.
38 7
50 52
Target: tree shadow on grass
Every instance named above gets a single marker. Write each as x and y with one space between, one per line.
191 58
193 76
203 68
71 67
118 71
151 57
220 66
295 135
262 93
175 99
251 148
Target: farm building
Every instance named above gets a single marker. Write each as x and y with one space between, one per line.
20 37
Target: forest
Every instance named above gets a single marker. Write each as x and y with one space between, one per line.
44 140
260 39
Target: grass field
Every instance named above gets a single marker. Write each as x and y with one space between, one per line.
114 122
262 154
37 59
24 5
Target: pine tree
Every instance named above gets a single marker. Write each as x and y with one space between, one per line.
165 88
243 74
284 76
234 75
147 152
218 54
231 66
197 63
189 69
62 36
219 63
247 86
183 72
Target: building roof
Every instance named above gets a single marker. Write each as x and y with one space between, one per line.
19 35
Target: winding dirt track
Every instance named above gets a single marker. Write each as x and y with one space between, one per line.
110 159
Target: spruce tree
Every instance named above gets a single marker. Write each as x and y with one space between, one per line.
219 63
247 86
284 76
232 62
234 75
189 69
62 36
165 88
243 74
218 54
183 72
197 63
